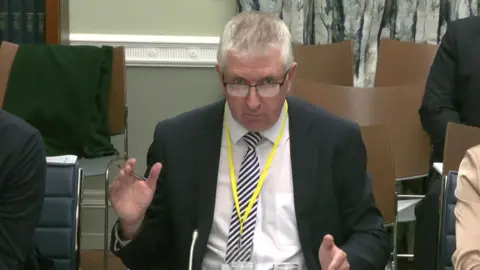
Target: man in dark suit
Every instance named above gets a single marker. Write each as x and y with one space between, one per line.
302 194
452 94
22 187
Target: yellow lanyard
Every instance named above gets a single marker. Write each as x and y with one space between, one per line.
233 180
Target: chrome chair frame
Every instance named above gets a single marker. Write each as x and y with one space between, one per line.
78 216
441 216
395 255
442 212
392 264
119 157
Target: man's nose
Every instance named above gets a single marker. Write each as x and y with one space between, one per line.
253 101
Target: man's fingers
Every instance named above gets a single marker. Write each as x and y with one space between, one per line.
113 187
345 265
124 176
153 175
327 242
338 260
131 162
127 169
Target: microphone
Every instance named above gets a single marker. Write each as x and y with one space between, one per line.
192 247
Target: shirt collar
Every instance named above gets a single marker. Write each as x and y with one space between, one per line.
237 131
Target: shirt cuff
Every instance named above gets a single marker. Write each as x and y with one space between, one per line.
118 242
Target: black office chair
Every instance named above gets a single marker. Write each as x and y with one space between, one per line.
57 235
447 242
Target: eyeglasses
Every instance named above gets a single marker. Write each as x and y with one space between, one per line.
265 89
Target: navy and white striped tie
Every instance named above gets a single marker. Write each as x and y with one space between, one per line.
247 182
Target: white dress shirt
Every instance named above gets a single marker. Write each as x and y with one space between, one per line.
276 235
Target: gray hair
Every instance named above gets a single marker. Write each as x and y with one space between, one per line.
253 34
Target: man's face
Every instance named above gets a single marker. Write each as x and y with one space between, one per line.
257 109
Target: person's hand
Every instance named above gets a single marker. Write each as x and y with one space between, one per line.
331 257
130 197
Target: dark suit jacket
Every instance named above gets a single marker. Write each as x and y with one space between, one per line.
22 187
452 93
332 192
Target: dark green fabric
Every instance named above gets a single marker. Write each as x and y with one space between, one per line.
63 91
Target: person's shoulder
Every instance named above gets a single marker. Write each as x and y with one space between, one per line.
467 23
465 28
469 168
19 141
474 153
15 130
191 121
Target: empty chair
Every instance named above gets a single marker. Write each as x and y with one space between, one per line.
395 107
401 62
57 235
458 140
326 63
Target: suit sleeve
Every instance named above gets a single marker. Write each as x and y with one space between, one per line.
440 104
362 223
467 213
151 246
21 202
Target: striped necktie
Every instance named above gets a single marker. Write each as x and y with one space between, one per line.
241 249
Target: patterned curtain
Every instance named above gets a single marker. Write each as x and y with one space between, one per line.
365 22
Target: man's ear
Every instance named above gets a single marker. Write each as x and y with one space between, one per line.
220 78
291 76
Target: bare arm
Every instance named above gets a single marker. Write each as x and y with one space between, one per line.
467 212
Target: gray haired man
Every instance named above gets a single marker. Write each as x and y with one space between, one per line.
261 177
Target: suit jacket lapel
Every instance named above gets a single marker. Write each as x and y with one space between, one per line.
206 158
304 158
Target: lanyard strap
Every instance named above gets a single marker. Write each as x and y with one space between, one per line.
233 179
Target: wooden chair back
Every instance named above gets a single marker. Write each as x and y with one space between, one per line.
117 101
396 107
326 63
381 169
401 62
459 139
